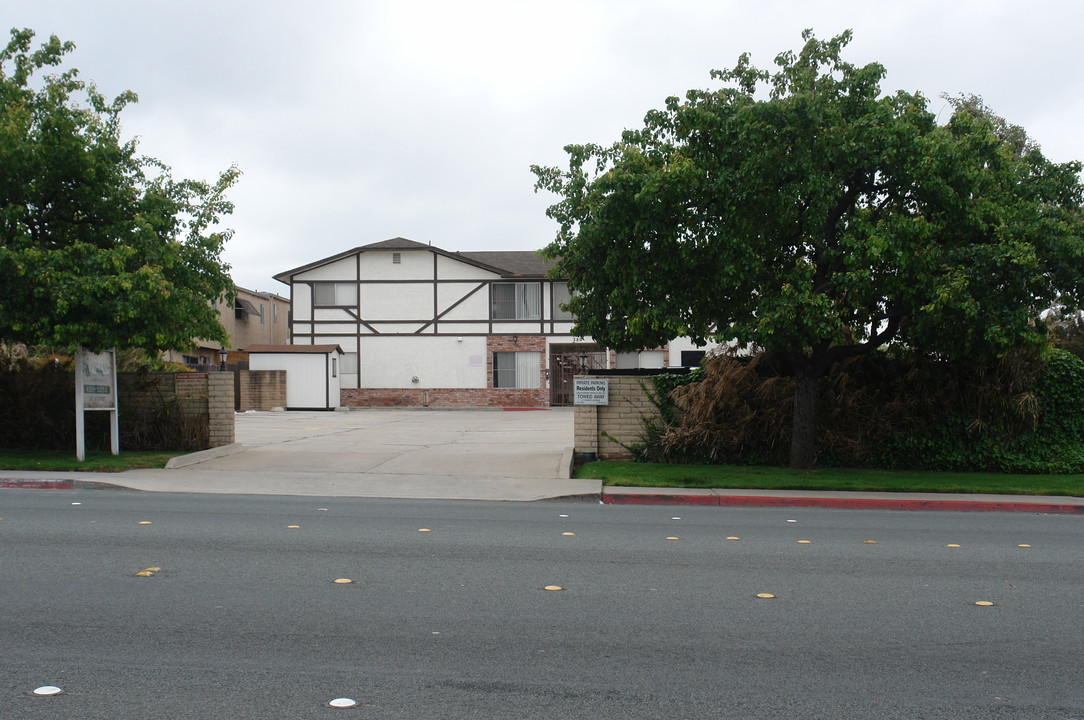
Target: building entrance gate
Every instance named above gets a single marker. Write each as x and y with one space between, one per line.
568 361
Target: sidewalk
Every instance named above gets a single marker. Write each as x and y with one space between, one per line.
522 489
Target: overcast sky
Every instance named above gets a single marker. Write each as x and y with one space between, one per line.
355 122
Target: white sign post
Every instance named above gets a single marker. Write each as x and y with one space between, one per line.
590 391
95 389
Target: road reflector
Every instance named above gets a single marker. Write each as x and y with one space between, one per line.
952 545
984 603
870 542
424 530
293 527
553 587
803 542
47 690
569 534
765 596
733 537
342 581
1023 546
343 703
671 538
144 522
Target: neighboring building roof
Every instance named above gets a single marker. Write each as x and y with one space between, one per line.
506 263
314 349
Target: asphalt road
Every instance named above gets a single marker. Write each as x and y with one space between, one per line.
243 620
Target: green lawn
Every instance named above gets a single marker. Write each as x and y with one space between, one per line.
97 461
772 478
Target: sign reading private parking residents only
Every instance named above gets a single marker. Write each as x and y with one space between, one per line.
590 391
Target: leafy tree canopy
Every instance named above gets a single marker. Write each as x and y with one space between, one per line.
820 219
99 246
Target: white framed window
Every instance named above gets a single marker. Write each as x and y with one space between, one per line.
516 301
517 370
334 294
561 296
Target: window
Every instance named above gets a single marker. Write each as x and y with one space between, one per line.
190 359
561 296
261 313
517 301
334 367
396 258
349 365
274 313
517 370
328 294
692 358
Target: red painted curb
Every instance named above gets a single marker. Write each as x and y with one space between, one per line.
842 503
40 484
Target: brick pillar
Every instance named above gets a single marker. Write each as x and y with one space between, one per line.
220 408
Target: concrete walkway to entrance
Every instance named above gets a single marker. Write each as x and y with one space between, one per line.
476 454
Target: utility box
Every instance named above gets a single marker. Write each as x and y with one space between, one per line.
312 372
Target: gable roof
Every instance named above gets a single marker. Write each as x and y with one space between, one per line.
506 263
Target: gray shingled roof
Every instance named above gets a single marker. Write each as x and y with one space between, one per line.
509 263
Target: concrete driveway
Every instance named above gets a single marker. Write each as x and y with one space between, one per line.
449 454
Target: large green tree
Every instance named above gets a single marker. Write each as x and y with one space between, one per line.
99 246
808 213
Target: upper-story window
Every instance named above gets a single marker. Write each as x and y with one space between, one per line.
561 296
517 301
334 294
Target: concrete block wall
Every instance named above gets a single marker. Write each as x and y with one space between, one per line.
604 430
260 389
220 417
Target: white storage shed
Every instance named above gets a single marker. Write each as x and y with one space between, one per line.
312 372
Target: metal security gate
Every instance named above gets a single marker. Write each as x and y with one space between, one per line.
568 361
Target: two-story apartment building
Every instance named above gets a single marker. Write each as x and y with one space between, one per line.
419 325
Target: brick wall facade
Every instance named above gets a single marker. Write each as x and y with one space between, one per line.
604 430
260 389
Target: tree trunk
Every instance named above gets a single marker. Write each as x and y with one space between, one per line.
803 436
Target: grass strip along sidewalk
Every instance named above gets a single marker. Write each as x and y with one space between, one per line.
97 461
635 474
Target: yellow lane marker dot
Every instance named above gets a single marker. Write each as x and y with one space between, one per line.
293 527
424 530
144 522
952 545
671 538
148 572
553 587
803 542
569 534
733 537
871 542
342 581
765 596
1023 546
984 603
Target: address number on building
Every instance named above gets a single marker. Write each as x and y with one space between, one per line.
591 391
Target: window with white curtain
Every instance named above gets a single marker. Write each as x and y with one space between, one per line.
517 370
561 296
517 301
335 294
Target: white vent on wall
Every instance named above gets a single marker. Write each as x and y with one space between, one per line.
396 258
